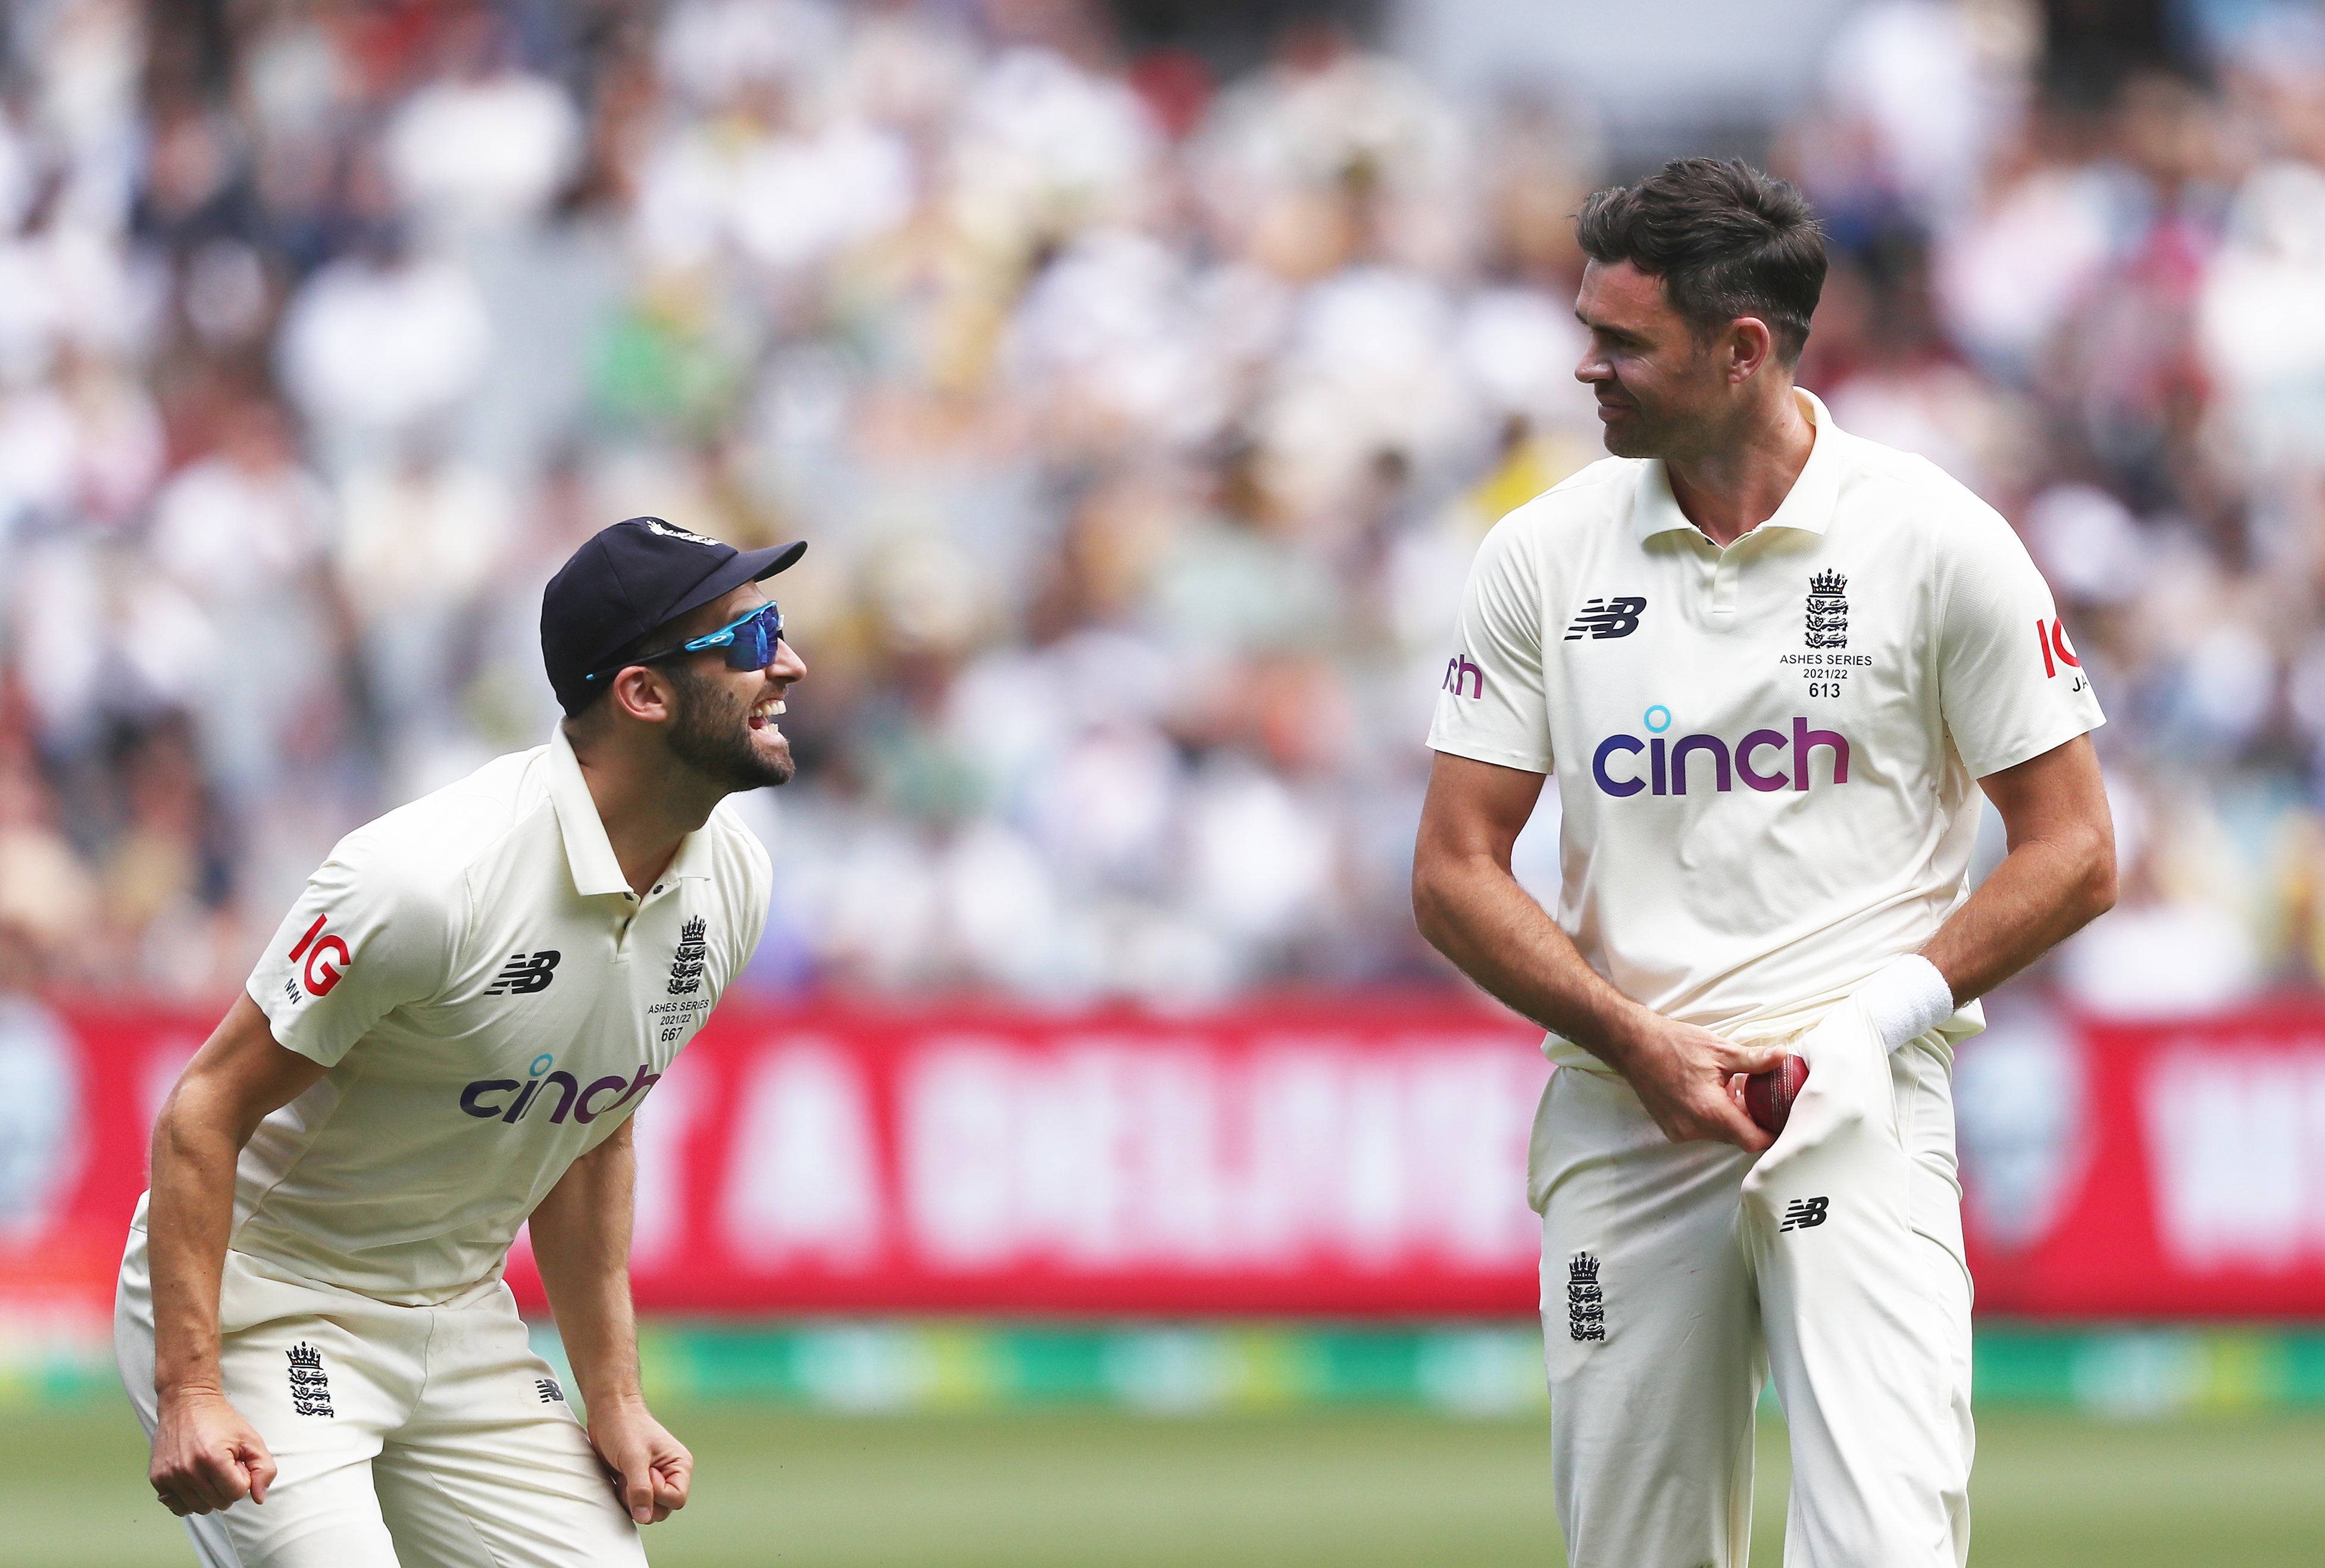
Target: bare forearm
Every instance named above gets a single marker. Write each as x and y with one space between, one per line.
581 1239
1473 911
188 1218
581 1242
1470 907
2044 891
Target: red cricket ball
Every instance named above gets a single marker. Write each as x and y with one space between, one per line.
1768 1096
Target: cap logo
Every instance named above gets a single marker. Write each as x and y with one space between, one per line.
656 526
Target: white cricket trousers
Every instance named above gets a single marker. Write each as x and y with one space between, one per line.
447 1442
1670 1296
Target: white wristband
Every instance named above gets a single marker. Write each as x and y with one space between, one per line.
1906 998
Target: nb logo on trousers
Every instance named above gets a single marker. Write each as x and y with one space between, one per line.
1803 1213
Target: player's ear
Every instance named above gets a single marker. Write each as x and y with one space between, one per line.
640 692
1749 346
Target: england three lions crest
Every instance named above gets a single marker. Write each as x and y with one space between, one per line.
1828 618
1585 1303
310 1386
686 964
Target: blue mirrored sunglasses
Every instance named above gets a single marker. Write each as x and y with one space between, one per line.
750 643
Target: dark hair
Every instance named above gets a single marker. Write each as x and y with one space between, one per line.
1726 239
664 637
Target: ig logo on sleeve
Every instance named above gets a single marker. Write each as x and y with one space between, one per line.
320 947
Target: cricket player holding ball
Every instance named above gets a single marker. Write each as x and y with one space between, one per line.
1770 663
448 1036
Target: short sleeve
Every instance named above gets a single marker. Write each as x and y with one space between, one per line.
1490 703
2010 685
759 884
361 940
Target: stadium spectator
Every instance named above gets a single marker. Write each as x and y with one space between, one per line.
1144 424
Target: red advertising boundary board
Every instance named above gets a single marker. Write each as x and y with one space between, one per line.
1345 1157
1350 1158
2152 1170
1357 1157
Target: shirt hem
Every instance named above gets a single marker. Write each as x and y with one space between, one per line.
302 1274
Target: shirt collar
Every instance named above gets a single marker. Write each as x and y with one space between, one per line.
693 861
1807 506
587 851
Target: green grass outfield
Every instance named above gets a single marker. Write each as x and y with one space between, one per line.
1351 1488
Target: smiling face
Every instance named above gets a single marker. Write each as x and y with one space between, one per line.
1662 387
723 721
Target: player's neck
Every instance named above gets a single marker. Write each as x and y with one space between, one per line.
647 812
1737 482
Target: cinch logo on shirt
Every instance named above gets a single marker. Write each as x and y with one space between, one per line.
1668 762
477 1100
1463 678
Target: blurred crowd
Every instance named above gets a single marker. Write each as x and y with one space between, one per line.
1143 420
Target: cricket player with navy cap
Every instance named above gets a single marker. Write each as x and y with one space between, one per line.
446 1039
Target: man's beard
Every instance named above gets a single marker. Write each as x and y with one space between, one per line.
1679 420
1630 443
1645 434
711 734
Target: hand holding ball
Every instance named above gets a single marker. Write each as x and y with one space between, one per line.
1768 1096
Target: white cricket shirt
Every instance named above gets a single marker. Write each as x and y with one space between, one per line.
1766 754
492 1001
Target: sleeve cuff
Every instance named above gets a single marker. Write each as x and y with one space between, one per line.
279 1018
2027 750
1500 757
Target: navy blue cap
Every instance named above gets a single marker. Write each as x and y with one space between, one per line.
629 579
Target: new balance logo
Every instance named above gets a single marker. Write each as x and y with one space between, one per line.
1586 1304
1805 1213
523 975
550 1393
1608 617
310 1388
